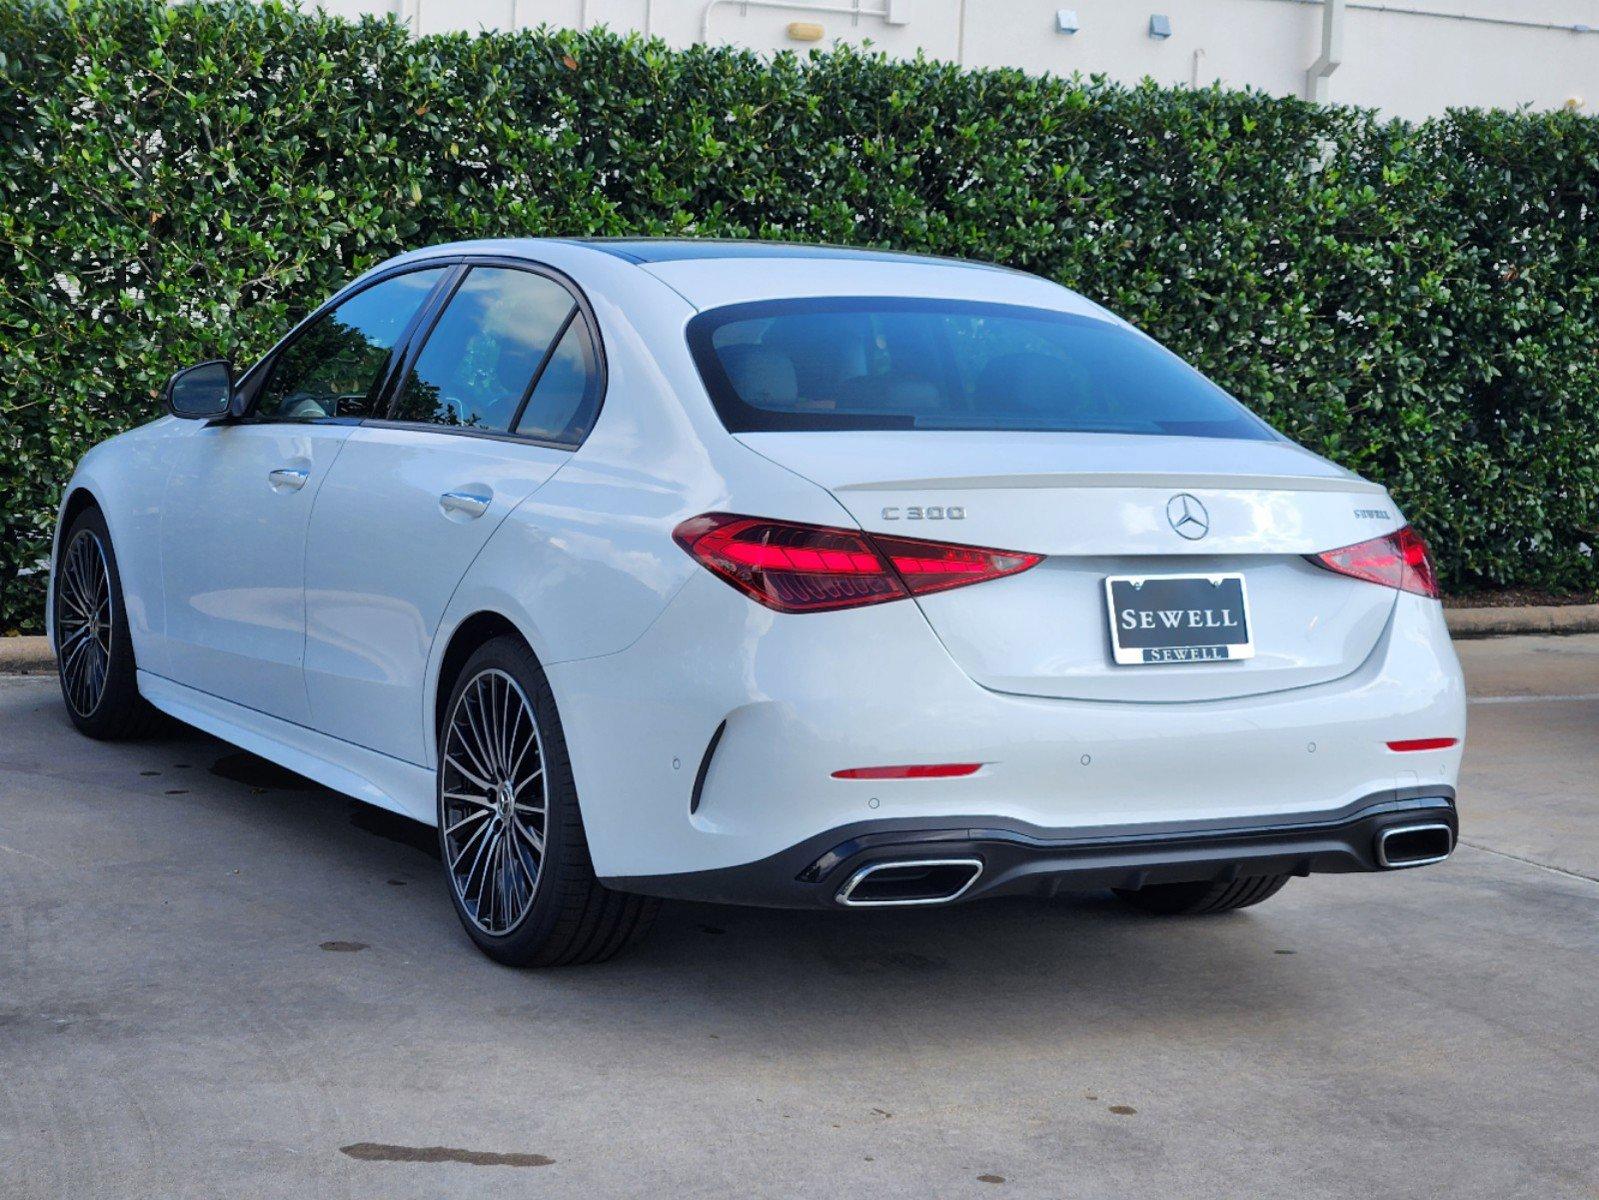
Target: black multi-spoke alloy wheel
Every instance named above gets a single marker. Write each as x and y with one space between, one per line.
1198 899
94 654
515 856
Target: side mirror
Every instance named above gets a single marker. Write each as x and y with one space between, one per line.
201 391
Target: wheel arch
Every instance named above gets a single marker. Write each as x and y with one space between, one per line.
474 631
77 499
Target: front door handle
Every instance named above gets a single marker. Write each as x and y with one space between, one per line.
466 504
287 479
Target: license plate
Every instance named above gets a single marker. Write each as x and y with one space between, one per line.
1178 618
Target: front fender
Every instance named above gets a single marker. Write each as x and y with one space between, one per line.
125 477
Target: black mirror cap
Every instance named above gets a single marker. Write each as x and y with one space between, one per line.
202 391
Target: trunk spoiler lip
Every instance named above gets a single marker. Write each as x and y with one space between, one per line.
1170 480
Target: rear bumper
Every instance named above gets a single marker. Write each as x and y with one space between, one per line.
1016 859
711 742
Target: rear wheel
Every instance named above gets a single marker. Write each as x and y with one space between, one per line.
1197 899
94 653
510 834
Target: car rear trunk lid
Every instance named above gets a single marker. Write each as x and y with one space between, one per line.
1103 505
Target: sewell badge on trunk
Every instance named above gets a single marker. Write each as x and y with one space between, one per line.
1178 618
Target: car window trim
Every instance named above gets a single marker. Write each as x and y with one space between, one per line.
417 341
492 435
256 378
401 366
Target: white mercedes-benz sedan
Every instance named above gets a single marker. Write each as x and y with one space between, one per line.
767 574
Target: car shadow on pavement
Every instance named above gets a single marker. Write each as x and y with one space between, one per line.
920 968
308 870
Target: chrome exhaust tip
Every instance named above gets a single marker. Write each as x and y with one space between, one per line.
921 881
1414 845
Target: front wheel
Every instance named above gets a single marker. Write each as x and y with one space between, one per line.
1197 899
510 834
94 651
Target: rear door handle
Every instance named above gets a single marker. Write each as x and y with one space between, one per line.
467 504
287 479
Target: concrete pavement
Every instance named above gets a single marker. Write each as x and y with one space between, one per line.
219 980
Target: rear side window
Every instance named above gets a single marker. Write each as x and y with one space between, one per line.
567 396
335 366
913 364
486 351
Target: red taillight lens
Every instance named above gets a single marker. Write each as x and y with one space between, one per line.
1398 560
938 566
790 567
794 567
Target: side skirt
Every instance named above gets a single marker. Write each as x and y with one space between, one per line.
366 775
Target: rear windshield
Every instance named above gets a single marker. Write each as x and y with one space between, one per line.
819 364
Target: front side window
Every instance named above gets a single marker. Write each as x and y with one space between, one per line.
486 352
335 367
916 364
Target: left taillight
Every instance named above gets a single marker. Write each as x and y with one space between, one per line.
1397 560
795 567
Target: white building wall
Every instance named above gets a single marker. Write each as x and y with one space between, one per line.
1410 58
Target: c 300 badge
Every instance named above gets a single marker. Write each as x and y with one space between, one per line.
928 512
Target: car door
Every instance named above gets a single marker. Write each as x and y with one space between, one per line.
489 405
241 492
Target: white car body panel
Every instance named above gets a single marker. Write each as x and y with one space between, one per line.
383 557
128 475
325 654
232 551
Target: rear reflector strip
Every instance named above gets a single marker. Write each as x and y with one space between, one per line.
1424 744
916 771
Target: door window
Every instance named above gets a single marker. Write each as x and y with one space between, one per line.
484 354
336 366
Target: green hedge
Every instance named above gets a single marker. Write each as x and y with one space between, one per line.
1416 301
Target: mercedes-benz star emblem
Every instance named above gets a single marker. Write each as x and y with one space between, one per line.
1188 516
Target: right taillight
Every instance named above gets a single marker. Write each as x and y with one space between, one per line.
796 567
1397 560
